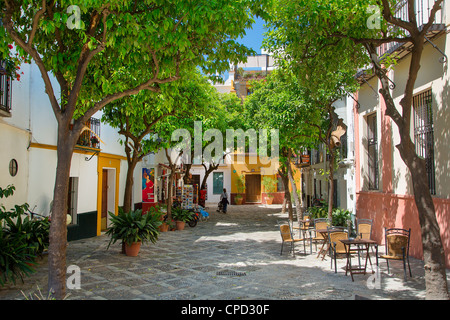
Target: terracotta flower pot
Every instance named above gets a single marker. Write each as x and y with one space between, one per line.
133 249
180 225
305 158
269 200
164 227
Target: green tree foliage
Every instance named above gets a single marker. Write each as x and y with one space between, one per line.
101 51
137 117
334 36
325 70
281 102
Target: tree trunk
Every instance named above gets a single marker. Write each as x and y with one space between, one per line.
433 251
187 169
331 186
283 206
287 194
298 205
207 173
128 198
58 228
169 200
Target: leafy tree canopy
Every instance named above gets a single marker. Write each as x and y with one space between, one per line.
110 47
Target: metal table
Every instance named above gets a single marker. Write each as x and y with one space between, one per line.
361 245
323 251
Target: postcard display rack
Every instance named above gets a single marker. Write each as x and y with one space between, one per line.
188 197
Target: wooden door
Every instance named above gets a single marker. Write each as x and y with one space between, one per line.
104 199
253 188
196 183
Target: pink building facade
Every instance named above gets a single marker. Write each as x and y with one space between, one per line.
383 183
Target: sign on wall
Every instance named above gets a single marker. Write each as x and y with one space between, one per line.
148 185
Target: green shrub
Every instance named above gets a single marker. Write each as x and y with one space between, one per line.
339 216
270 185
318 212
35 232
156 213
16 259
21 240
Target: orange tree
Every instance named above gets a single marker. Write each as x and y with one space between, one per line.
101 51
137 117
327 34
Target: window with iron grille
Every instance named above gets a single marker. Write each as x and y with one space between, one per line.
424 133
315 188
5 91
372 148
280 184
343 149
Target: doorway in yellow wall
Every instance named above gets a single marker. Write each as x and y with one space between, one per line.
104 210
252 188
108 170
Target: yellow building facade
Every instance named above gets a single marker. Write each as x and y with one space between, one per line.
247 175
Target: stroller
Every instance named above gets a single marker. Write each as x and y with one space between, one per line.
220 207
205 215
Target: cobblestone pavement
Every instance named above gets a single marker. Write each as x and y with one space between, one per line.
231 256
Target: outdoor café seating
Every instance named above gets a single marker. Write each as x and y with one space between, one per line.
304 227
363 229
397 247
320 230
335 234
288 238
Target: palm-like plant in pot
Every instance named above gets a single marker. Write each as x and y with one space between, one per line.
240 185
270 187
133 229
181 216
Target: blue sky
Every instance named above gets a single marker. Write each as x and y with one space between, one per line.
254 37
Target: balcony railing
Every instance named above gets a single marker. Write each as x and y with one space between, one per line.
90 137
422 10
5 92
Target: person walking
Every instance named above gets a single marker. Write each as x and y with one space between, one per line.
224 200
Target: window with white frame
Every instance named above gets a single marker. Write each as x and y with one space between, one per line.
217 182
72 202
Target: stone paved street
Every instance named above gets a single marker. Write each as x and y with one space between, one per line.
231 256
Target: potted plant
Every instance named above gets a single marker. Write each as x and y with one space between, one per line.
172 225
167 224
238 199
94 141
270 186
240 185
181 216
133 229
